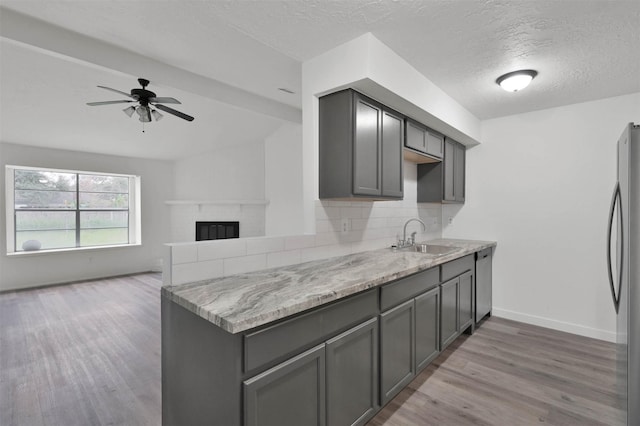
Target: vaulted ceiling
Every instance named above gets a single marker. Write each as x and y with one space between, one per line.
226 60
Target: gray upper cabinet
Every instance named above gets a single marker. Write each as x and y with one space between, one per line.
291 393
422 139
416 136
366 147
352 375
360 148
459 160
448 171
444 182
392 137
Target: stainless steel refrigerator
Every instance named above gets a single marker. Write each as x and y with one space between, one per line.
623 259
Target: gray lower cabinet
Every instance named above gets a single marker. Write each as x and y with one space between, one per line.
360 148
449 317
466 301
335 383
352 375
333 365
291 393
397 362
427 327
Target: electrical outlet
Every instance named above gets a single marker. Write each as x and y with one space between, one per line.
450 220
345 225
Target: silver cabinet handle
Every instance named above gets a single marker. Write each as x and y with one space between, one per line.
616 297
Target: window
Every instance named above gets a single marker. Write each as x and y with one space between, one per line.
63 209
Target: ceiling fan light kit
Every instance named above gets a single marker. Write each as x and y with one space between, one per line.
145 99
516 80
156 115
129 110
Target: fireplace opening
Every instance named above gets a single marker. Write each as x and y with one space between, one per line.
217 230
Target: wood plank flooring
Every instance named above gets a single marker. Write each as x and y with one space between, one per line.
82 354
510 373
89 354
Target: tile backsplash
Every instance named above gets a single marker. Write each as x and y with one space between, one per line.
368 226
342 227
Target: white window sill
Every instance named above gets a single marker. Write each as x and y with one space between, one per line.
69 250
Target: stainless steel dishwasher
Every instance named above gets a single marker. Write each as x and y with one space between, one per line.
483 283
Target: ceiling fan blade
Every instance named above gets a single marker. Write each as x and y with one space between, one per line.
164 100
117 91
174 112
107 103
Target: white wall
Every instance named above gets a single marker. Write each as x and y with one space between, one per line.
540 185
41 269
283 181
233 172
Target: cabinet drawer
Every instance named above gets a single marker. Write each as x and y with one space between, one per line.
290 336
484 253
456 267
406 288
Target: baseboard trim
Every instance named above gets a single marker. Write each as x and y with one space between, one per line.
556 325
57 284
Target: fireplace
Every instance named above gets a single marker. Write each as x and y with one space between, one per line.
217 230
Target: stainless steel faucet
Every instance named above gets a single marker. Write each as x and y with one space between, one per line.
412 240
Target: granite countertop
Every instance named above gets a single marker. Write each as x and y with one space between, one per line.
240 302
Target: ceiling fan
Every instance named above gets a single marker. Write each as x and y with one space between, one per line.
145 99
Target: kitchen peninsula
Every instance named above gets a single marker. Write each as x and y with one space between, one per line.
323 342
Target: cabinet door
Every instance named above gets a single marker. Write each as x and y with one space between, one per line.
392 137
466 300
416 137
366 147
435 144
291 393
396 350
352 375
449 325
448 170
459 173
427 327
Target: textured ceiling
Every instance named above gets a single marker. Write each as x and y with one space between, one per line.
582 49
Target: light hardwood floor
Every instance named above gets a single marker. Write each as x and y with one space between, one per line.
89 354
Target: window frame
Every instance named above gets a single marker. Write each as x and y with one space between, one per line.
133 211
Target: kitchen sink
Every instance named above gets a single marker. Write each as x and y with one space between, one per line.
431 249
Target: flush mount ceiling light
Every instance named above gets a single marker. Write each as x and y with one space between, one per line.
516 80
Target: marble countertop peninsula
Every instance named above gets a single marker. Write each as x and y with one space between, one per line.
241 302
